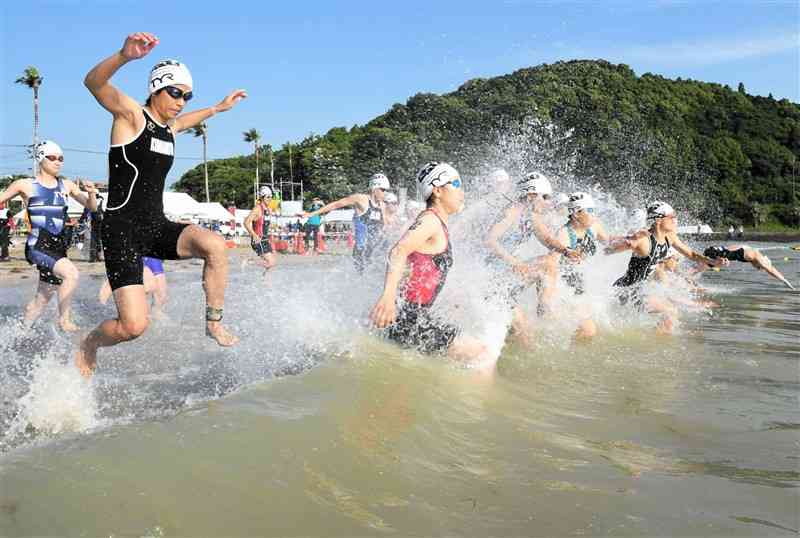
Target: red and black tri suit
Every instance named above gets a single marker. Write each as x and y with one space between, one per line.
415 326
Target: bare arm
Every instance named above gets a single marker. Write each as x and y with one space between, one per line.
190 119
631 242
426 226
86 199
16 188
546 237
248 222
601 234
693 255
497 232
357 200
136 46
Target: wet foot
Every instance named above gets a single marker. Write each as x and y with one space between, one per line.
67 326
86 360
220 334
665 327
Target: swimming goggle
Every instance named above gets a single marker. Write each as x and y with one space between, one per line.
455 183
177 93
54 158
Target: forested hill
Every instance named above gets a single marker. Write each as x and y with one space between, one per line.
584 121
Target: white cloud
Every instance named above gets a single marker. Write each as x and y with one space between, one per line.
711 51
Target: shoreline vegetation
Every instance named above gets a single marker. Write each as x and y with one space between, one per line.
717 153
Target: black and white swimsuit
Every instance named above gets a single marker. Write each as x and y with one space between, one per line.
134 224
639 270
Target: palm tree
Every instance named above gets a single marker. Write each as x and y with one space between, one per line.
254 136
201 129
33 79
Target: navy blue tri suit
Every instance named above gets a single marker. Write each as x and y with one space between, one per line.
47 242
639 270
367 234
134 225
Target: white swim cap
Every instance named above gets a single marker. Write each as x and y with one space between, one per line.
379 181
169 73
499 176
45 148
390 198
579 201
435 174
561 199
659 210
265 192
535 183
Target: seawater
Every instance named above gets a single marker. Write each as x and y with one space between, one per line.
314 426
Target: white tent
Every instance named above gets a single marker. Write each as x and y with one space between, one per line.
241 214
214 211
181 206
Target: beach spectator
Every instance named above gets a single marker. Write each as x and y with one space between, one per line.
5 232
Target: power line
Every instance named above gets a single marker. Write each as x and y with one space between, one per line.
94 152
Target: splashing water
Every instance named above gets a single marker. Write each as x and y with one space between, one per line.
298 316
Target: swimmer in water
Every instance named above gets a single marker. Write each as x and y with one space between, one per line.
368 220
522 221
45 196
426 253
648 248
582 233
746 254
140 157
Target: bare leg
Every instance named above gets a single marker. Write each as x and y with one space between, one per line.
68 273
34 308
268 261
668 314
196 242
105 292
587 328
520 326
131 304
159 294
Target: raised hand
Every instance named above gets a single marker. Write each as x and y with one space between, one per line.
89 187
138 45
233 98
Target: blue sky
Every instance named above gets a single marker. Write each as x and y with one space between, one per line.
310 66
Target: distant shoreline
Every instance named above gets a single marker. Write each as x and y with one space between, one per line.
776 237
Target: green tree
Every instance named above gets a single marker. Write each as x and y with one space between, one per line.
33 80
254 136
201 130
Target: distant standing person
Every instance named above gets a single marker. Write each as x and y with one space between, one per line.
45 196
96 241
5 232
257 225
313 223
141 155
368 220
740 234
